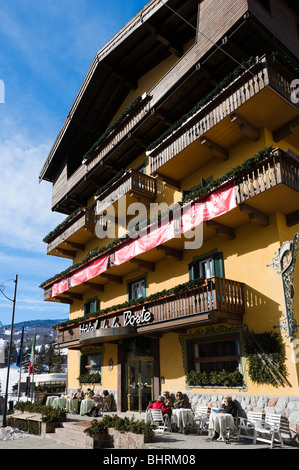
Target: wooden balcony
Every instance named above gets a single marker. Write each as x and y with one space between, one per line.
72 235
138 186
217 300
229 117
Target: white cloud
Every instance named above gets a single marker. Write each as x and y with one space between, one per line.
25 211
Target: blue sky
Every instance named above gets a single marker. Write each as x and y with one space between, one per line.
46 48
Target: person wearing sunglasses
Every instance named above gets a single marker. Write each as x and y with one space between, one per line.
179 401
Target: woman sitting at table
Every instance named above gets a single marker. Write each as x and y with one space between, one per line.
179 401
168 400
159 404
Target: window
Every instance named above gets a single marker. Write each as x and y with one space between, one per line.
206 266
215 354
137 289
91 362
91 306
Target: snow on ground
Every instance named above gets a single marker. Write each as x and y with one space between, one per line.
8 433
14 374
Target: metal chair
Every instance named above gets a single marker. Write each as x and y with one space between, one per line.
248 425
201 418
162 422
271 427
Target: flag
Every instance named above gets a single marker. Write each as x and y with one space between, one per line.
19 356
32 356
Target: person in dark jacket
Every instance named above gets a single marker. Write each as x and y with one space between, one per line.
229 406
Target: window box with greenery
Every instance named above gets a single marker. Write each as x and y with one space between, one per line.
95 378
213 361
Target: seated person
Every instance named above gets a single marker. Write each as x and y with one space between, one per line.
179 401
106 399
168 401
89 394
79 394
159 404
229 406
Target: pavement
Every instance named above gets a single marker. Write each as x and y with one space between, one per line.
177 442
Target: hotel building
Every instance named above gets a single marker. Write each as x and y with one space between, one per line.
177 170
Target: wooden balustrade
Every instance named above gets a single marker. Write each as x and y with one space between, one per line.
132 182
278 168
245 87
216 295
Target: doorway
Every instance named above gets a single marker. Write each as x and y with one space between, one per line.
140 389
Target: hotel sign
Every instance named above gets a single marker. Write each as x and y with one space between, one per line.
126 319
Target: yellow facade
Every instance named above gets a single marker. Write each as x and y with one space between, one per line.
243 240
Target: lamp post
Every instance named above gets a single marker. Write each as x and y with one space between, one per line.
9 350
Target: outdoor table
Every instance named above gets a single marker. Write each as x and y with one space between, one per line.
219 422
86 406
182 417
72 405
59 403
49 401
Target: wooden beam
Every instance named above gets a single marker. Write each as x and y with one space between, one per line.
130 82
172 252
163 40
221 229
69 253
76 246
214 148
72 295
112 278
292 218
63 300
168 181
285 130
245 127
143 264
255 215
93 285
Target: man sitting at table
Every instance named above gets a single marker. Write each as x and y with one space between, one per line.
105 399
89 394
159 404
229 406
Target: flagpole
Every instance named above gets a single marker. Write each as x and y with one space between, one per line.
32 363
9 353
21 358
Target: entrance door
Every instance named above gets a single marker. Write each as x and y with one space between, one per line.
140 383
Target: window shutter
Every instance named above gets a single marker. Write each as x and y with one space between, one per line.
191 271
218 264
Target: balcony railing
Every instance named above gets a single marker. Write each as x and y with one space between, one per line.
216 300
265 73
278 168
133 182
85 219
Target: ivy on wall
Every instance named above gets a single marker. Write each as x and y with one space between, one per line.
272 345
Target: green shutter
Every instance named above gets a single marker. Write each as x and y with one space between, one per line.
218 264
191 271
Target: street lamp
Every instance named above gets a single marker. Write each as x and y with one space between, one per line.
9 350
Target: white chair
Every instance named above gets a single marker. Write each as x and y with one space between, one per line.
107 406
246 426
269 427
201 418
161 422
